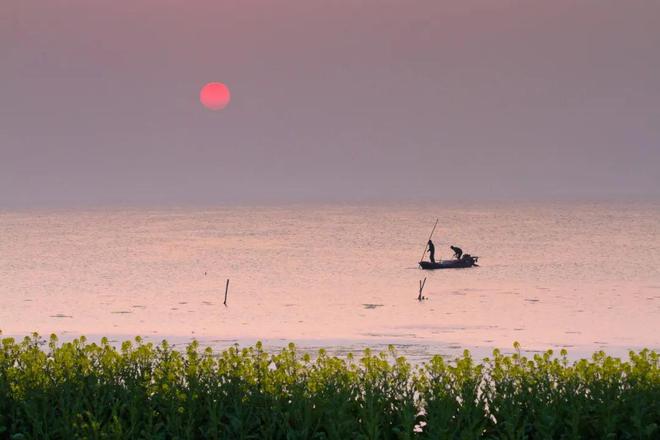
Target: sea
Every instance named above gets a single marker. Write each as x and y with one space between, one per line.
584 276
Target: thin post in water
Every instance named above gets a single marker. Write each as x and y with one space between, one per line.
421 288
226 290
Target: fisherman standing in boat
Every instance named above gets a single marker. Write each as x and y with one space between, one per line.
431 251
458 252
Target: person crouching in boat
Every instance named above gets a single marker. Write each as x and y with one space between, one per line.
431 251
458 252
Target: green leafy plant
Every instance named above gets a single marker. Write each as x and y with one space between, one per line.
83 390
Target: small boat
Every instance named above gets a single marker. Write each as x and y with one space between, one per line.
465 261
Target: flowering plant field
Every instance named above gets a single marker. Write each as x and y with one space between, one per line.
52 390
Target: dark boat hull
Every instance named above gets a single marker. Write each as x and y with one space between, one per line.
449 264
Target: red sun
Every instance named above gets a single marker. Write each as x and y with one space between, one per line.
214 96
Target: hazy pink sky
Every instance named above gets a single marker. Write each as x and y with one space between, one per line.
334 99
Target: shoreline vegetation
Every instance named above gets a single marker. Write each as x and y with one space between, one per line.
53 390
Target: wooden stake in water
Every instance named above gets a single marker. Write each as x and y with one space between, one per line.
421 287
226 290
426 246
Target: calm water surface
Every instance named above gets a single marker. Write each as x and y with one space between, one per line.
584 276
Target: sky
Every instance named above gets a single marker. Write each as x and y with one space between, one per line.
343 100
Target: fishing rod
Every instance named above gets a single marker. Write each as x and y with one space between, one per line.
430 236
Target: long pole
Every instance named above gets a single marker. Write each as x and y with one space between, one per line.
430 236
226 290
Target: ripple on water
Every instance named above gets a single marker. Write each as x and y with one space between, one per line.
391 335
371 306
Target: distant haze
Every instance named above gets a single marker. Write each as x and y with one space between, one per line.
331 100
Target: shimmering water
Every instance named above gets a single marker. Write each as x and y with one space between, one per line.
579 275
